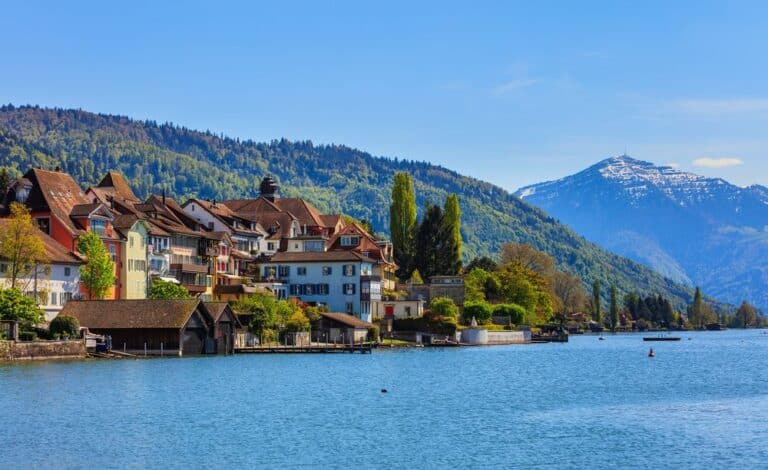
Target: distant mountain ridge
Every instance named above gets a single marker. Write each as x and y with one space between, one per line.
185 163
691 228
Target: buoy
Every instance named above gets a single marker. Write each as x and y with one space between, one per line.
383 390
651 353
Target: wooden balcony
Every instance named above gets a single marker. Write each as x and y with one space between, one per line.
190 268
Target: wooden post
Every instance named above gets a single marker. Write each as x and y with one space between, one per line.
145 349
161 349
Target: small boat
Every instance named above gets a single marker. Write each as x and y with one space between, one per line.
651 353
661 338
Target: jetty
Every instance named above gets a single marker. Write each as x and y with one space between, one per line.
312 349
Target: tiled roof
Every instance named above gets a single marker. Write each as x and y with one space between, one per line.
318 257
55 251
302 210
346 319
217 309
56 192
118 186
139 314
83 210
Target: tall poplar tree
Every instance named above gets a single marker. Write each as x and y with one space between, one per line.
696 311
98 273
402 224
614 308
452 223
428 242
596 307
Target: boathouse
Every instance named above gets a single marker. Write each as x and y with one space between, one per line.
168 327
340 328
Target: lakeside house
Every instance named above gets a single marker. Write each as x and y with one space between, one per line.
437 286
54 284
341 328
170 327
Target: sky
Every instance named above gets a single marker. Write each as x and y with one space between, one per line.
510 92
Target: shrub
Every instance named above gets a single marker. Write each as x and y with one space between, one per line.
481 311
374 333
65 325
514 311
444 306
27 336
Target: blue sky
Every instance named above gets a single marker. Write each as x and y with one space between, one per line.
510 92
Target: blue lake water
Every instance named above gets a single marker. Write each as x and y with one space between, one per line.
589 403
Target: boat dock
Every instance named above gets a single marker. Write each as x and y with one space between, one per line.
313 349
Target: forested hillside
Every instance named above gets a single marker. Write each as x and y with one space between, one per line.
334 177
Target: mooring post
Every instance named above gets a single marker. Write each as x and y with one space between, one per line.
145 349
161 349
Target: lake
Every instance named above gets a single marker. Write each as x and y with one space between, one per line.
588 403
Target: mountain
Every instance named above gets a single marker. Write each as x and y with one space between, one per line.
336 178
693 229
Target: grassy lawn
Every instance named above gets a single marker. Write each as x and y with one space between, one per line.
396 342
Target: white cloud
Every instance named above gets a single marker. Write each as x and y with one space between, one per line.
720 106
514 85
717 162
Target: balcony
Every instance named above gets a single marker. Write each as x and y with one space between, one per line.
194 288
370 288
190 268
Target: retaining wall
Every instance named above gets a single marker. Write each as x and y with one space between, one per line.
41 350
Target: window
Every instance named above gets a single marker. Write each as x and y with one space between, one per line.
67 272
65 297
3 268
130 265
294 289
349 269
349 289
327 270
284 271
53 298
44 224
295 246
210 225
113 253
314 245
99 226
407 311
271 246
301 271
130 241
350 240
309 289
322 289
350 307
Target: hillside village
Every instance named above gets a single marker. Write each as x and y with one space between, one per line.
218 251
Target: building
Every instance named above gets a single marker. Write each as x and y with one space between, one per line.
341 280
135 270
169 327
340 328
396 309
53 284
62 210
354 238
438 286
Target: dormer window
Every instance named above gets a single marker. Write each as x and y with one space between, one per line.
350 240
22 192
98 226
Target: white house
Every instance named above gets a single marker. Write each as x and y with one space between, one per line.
53 284
341 280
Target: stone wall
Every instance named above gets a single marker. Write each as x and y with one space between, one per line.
41 350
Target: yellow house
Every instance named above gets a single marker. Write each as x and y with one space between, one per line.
134 266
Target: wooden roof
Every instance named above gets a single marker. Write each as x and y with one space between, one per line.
131 314
346 319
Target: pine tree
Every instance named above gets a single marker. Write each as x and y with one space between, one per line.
452 222
696 311
402 224
596 307
614 308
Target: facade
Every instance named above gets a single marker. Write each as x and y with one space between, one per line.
341 280
396 309
356 239
134 266
54 284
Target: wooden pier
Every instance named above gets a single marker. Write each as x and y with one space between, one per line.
314 349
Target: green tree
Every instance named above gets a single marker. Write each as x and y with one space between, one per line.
453 244
614 311
263 311
98 273
444 307
480 311
746 316
696 310
482 262
161 289
297 321
16 306
402 224
5 180
21 245
429 243
514 312
597 313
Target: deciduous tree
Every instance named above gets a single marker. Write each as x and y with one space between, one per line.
98 273
167 290
21 246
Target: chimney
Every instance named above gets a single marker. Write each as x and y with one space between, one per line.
163 196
